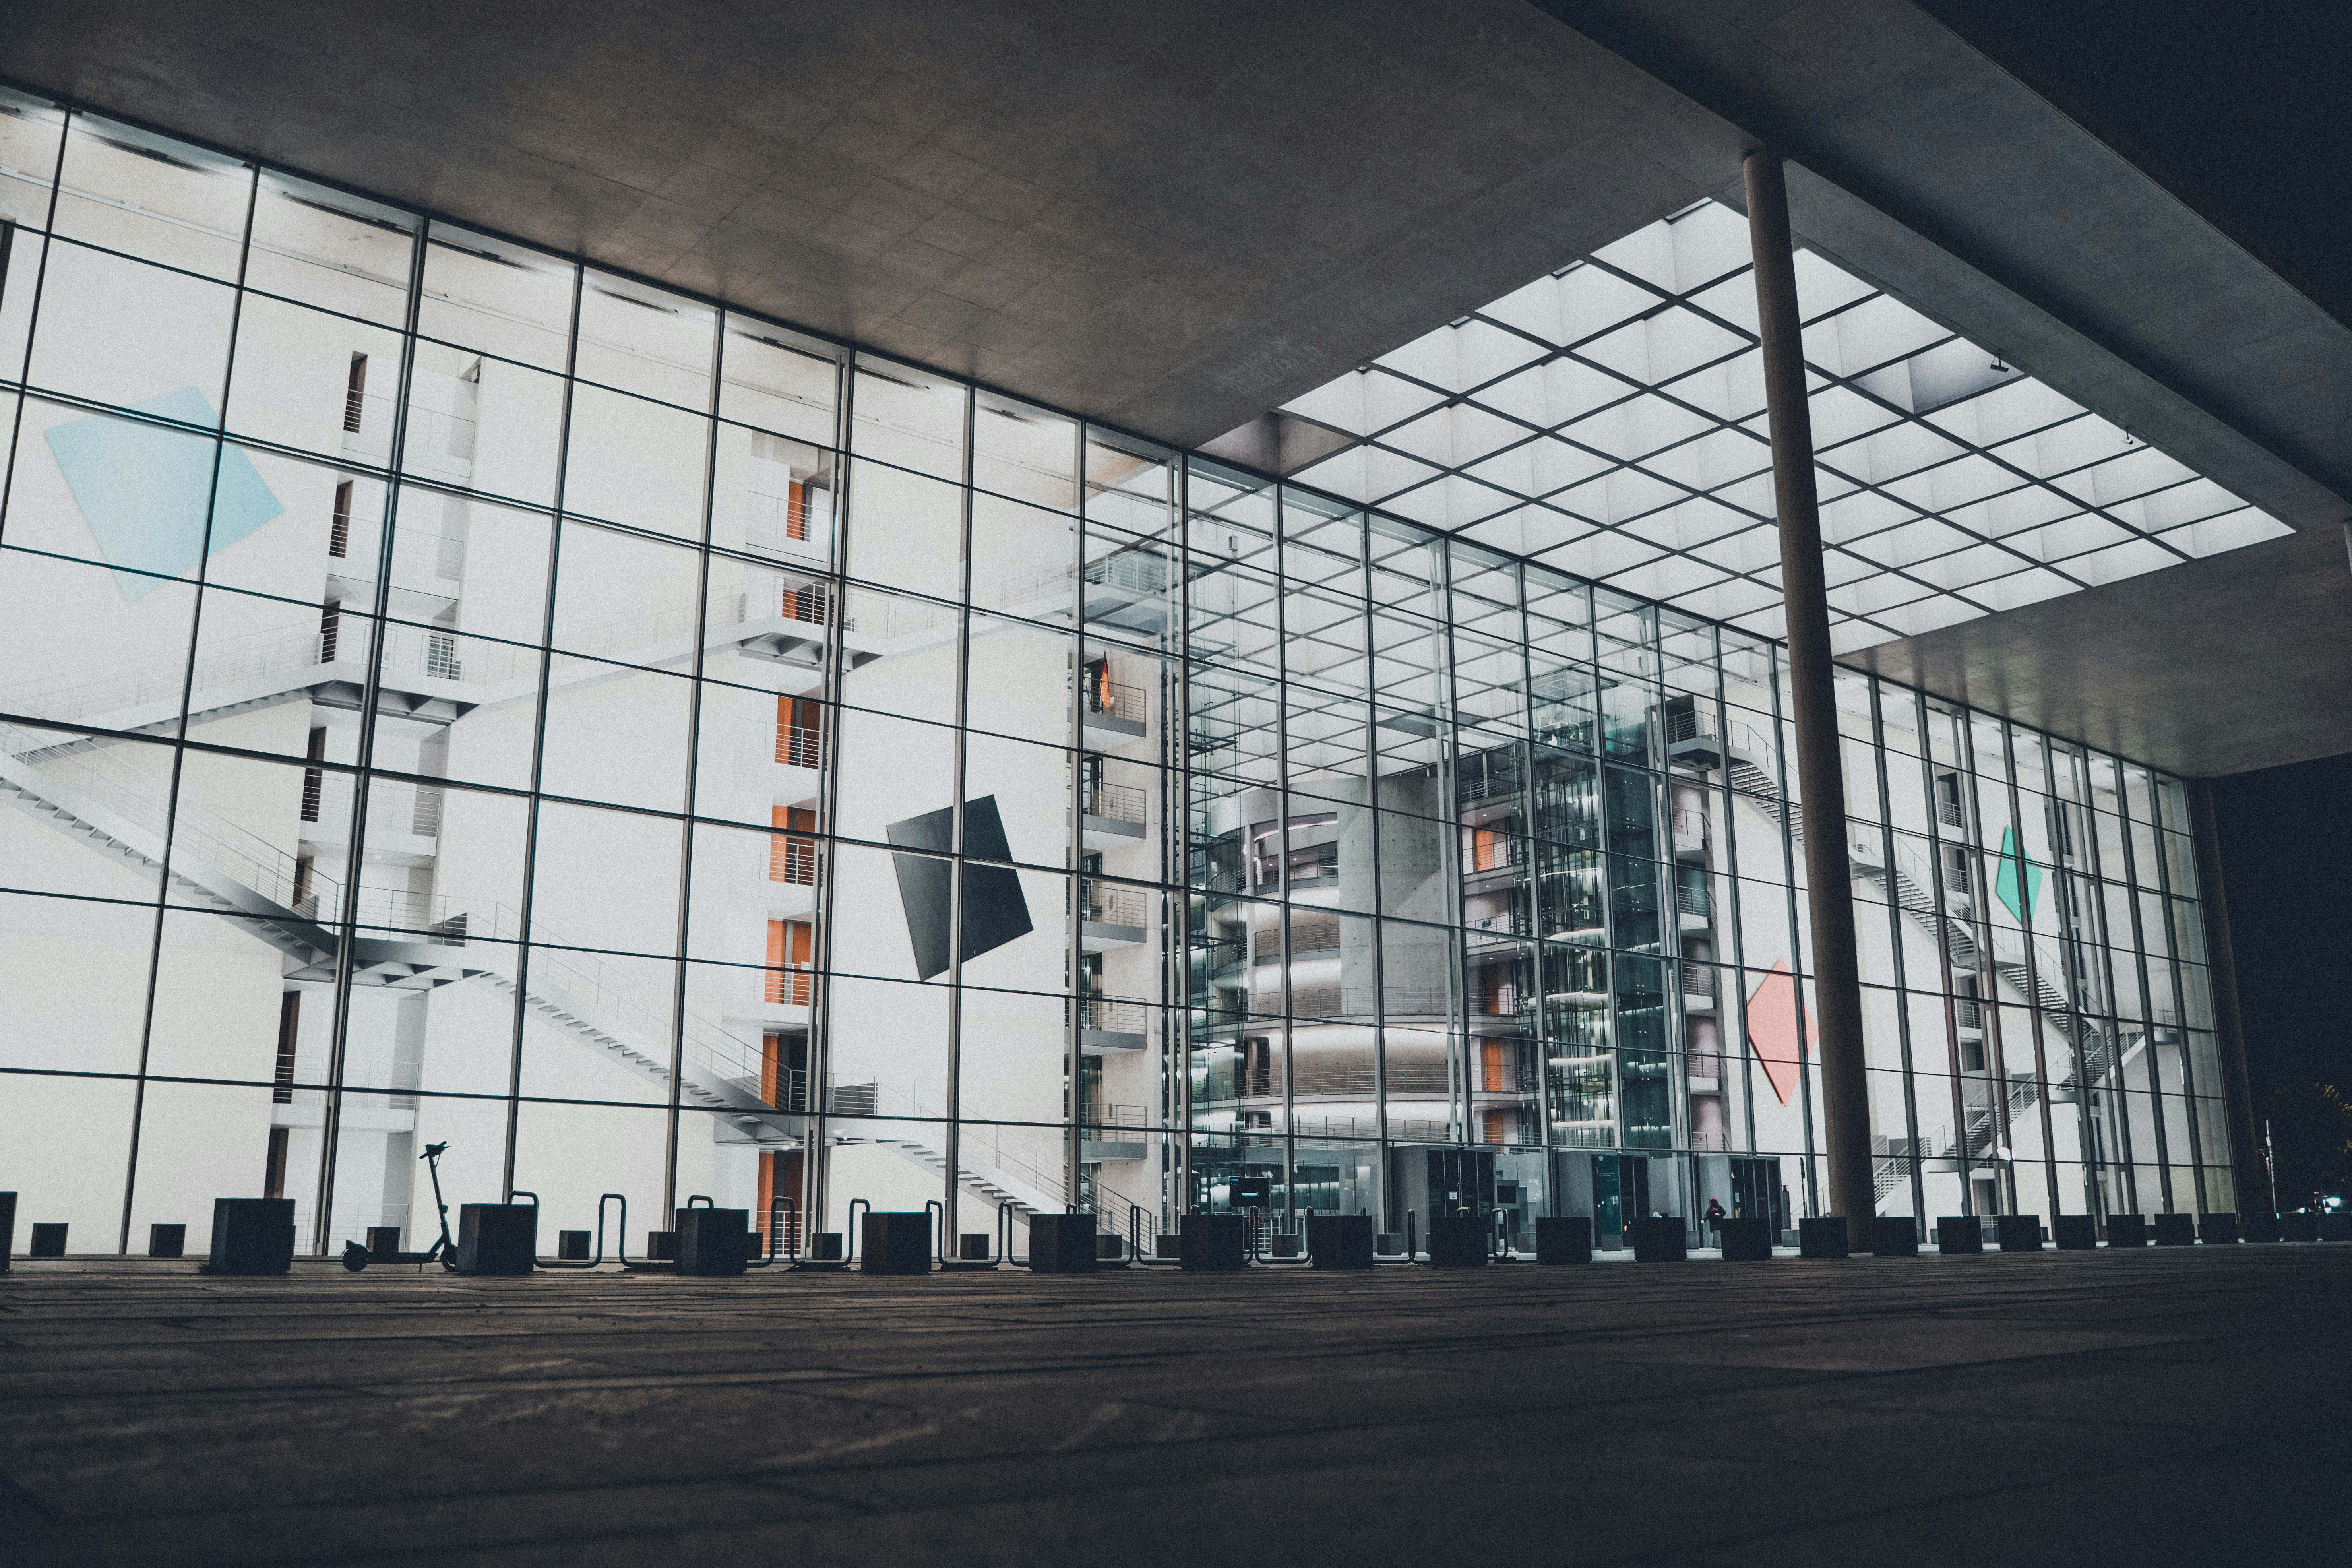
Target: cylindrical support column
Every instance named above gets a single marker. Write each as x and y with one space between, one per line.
1821 771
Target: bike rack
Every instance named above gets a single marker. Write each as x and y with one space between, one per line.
650 1264
774 1252
939 1212
1004 1233
597 1261
850 1241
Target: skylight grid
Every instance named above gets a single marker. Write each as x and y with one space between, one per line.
1608 419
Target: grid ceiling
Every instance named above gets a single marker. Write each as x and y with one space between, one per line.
1609 419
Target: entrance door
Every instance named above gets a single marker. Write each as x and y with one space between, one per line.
1757 1192
1621 1192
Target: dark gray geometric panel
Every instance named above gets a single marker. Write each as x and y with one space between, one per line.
994 911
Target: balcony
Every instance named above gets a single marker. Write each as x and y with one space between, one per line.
1699 988
1693 906
1114 1132
780 527
1695 740
1114 816
1111 917
1111 715
1690 834
799 754
1107 1024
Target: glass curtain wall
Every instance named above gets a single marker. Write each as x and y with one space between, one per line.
454 695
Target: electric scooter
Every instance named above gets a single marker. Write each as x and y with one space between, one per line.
356 1258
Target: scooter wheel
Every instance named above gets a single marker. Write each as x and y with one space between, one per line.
449 1262
355 1256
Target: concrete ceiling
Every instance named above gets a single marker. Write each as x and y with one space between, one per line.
1153 214
1177 217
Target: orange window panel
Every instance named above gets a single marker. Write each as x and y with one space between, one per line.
796 510
791 858
800 732
1490 1065
790 944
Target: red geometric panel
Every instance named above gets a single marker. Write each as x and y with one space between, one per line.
1772 1029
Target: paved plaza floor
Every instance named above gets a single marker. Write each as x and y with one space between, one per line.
2189 1405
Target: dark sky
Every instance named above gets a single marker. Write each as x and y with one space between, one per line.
2243 110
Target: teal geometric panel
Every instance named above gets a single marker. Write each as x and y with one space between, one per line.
141 490
2013 867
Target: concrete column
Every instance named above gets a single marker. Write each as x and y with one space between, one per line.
1821 772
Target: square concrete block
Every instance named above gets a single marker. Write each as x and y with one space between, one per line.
1061 1242
1826 1236
1168 1243
661 1245
252 1235
8 1228
824 1247
1960 1233
2018 1232
1109 1248
1282 1246
383 1242
2218 1230
974 1247
1340 1241
2126 1230
49 1238
2074 1232
1747 1240
2298 1227
1388 1244
2258 1227
898 1242
712 1243
167 1240
1564 1240
571 1245
1660 1239
2175 1229
1215 1242
1894 1235
1457 1241
497 1238
2336 1227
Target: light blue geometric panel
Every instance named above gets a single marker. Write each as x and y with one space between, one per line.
141 488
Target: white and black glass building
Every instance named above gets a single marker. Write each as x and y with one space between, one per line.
450 692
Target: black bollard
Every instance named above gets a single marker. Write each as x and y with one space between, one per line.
2018 1232
1824 1236
1661 1239
1564 1239
713 1244
1339 1241
2126 1230
1217 1243
1960 1233
501 1240
1062 1244
2074 1232
1894 1235
2176 1230
252 1235
1750 1240
2217 1230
